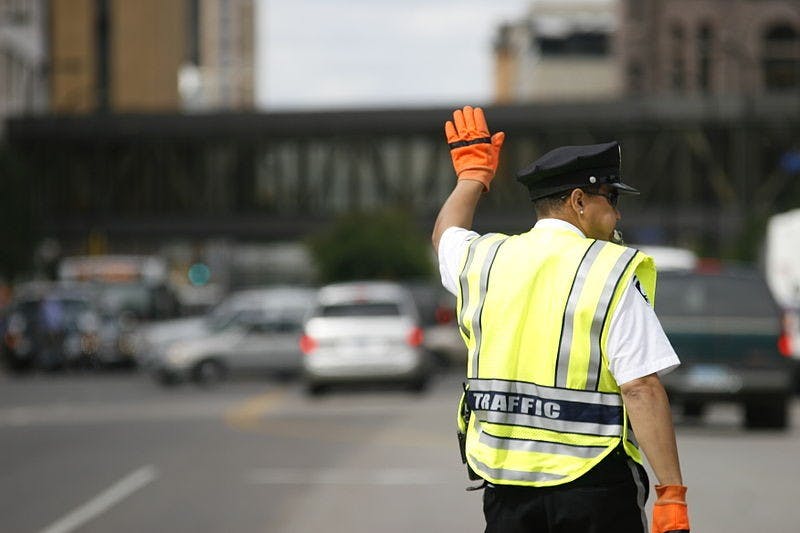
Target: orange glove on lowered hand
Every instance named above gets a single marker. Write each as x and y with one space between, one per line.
669 510
475 154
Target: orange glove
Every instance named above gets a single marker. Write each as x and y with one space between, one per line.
669 510
475 154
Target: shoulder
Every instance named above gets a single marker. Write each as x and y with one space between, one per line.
454 240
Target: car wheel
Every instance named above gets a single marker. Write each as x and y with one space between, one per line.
766 413
165 379
418 385
208 372
315 389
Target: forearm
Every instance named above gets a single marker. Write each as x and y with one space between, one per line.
649 412
458 209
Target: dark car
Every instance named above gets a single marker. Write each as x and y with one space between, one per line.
124 307
50 328
726 328
437 313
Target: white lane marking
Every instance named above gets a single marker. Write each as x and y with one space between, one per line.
44 415
338 476
113 413
104 501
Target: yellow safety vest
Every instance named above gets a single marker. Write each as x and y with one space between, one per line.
534 311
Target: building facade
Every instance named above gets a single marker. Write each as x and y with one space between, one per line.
220 67
710 47
118 56
23 87
558 51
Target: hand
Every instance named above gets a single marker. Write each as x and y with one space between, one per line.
669 510
474 152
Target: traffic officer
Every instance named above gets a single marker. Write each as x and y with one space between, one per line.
564 349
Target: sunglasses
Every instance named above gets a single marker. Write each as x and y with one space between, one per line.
612 197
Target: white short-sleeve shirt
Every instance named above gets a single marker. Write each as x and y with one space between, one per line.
637 345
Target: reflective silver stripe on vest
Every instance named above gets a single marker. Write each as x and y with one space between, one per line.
538 446
513 475
463 283
482 287
565 344
600 315
552 424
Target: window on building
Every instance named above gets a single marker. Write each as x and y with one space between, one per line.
781 59
678 74
193 33
705 51
102 47
575 44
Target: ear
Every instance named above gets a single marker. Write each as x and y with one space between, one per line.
577 198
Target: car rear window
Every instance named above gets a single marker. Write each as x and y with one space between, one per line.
713 296
360 309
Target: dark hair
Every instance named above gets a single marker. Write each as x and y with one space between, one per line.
547 205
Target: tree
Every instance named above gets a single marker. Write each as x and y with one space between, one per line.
384 245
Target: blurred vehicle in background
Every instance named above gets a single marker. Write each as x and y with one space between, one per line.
50 327
138 285
726 328
129 290
437 311
364 332
150 340
124 307
258 330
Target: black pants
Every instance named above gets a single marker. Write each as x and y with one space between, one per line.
607 499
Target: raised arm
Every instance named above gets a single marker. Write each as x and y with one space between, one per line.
475 155
458 209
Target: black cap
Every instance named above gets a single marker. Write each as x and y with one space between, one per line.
570 167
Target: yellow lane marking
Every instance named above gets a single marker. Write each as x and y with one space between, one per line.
343 433
247 415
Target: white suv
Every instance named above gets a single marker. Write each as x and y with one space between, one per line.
364 332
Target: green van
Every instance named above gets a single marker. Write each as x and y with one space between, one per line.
726 328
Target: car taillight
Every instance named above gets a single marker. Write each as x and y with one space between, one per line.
785 345
12 340
415 337
444 315
785 340
307 344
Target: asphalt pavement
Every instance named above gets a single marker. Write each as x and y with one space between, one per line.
116 452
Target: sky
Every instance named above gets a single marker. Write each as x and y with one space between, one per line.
377 53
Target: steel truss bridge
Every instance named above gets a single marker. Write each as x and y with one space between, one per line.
708 169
